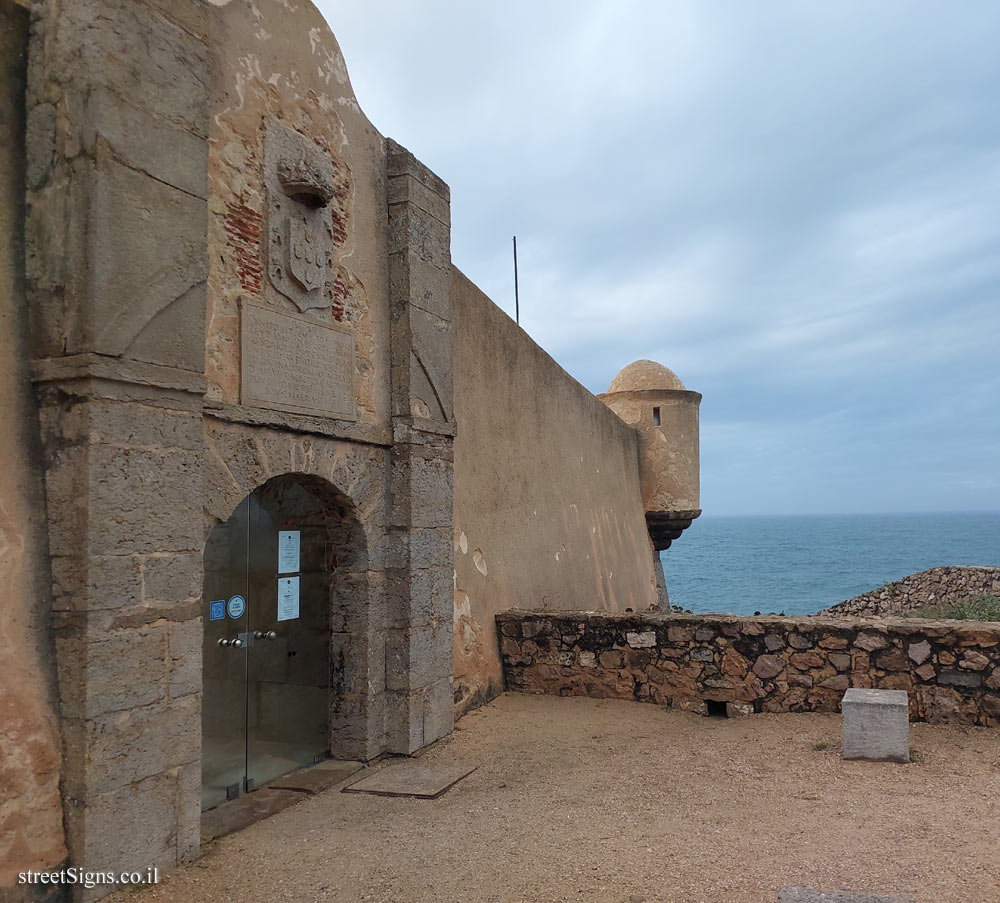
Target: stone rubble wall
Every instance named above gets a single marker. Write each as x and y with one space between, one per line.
950 669
937 586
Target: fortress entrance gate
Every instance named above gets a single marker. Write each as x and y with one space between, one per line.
269 593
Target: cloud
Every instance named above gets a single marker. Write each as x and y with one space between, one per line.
793 205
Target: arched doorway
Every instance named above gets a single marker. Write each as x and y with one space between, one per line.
277 579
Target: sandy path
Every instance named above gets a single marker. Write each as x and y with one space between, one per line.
579 799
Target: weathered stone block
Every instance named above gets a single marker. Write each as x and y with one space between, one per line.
175 156
107 674
100 582
431 484
158 65
973 661
406 189
145 501
806 660
869 642
134 827
960 679
141 266
438 709
115 423
919 652
185 648
768 666
942 705
425 284
172 578
680 635
642 640
893 659
876 725
118 748
431 547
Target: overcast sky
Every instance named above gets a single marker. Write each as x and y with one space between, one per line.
794 205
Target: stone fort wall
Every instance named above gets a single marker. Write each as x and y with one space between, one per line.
187 187
548 508
950 669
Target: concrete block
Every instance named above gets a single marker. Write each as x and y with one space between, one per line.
876 725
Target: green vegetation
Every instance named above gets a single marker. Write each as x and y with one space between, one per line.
983 607
819 747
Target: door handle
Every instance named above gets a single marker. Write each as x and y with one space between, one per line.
235 643
264 635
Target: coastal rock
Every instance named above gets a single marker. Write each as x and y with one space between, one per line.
939 586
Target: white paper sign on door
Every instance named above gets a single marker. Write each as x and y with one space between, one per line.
288 551
288 598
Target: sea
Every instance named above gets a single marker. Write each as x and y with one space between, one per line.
801 564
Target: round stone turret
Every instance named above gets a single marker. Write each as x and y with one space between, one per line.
650 397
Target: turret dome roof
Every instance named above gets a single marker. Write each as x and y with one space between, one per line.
645 375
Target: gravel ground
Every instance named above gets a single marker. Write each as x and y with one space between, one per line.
580 799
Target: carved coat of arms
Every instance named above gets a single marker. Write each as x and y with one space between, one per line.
299 177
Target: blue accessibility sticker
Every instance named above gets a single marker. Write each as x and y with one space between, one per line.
237 605
217 610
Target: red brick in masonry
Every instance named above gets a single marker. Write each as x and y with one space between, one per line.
243 228
339 229
339 293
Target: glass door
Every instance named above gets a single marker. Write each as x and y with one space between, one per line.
266 651
224 659
288 676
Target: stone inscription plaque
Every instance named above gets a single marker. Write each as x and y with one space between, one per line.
292 363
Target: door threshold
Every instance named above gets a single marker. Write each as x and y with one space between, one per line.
237 814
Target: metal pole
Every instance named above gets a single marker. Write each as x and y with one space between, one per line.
517 300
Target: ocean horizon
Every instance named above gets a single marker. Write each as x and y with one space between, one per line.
800 564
